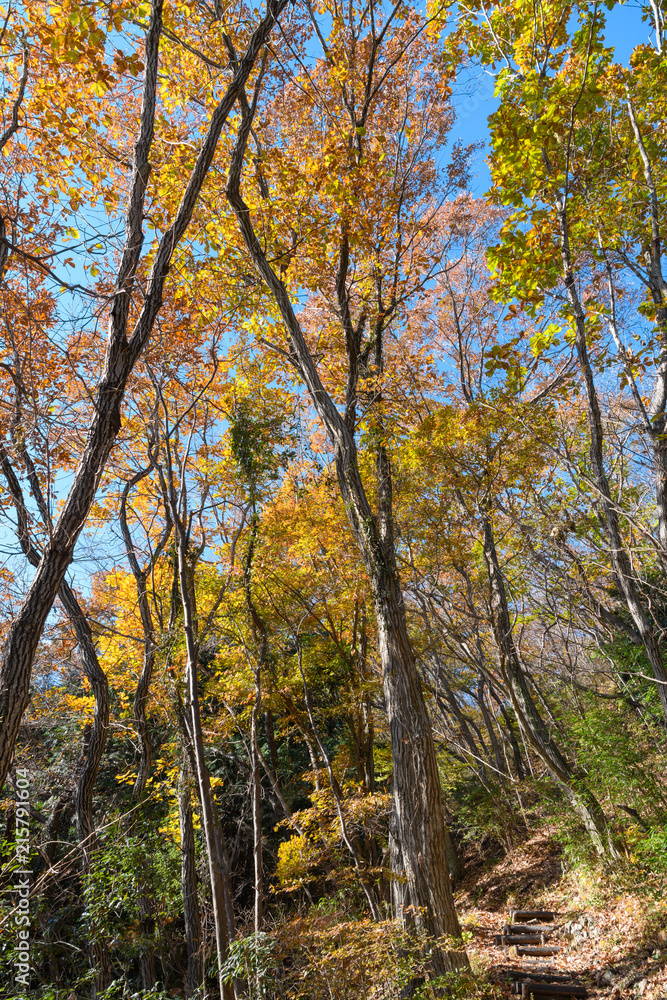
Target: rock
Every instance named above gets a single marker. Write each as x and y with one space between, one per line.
607 977
641 987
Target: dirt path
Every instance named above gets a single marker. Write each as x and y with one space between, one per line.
615 944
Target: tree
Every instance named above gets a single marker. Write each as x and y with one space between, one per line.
121 354
361 288
555 163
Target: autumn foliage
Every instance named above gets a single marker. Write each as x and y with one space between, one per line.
333 494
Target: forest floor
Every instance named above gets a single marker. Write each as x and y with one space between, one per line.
613 939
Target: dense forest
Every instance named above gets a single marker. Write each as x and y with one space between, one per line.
333 510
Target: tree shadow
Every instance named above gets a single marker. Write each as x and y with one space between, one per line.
529 868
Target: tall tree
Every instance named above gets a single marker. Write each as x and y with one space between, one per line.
360 87
131 322
583 172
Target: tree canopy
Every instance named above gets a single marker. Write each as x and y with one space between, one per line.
334 492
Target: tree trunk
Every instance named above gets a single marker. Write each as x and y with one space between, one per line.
261 642
144 896
219 834
215 863
397 889
479 766
83 793
191 914
257 803
148 626
96 735
417 795
147 969
658 290
453 860
94 744
488 722
351 842
271 744
537 733
521 771
212 840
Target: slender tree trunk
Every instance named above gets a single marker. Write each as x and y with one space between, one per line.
658 290
271 744
521 771
148 626
261 642
479 766
366 708
145 900
215 862
488 722
453 861
59 820
219 834
195 732
536 731
98 949
349 841
83 793
257 803
191 913
147 968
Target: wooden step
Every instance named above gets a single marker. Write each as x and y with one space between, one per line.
527 929
530 988
519 916
508 939
539 969
544 950
539 975
543 979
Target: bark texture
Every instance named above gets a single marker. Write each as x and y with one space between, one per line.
261 643
191 913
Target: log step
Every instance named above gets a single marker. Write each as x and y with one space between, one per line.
527 929
529 989
539 975
518 990
544 950
508 939
519 916
538 968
